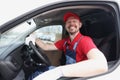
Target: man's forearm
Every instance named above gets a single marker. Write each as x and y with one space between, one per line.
45 46
41 44
84 69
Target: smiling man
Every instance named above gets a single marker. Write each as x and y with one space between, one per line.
83 58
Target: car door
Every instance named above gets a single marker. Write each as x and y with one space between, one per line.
100 21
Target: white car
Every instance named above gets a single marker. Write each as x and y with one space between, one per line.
101 21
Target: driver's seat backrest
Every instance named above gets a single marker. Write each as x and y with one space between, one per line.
107 45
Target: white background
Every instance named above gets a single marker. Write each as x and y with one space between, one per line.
10 9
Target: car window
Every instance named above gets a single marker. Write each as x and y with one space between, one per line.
15 34
49 34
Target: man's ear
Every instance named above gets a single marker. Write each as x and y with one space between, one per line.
80 24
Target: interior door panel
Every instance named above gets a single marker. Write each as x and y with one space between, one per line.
11 65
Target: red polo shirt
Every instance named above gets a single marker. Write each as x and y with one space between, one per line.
83 47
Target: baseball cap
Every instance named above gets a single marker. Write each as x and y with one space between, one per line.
70 14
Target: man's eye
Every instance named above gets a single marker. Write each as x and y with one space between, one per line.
68 22
74 21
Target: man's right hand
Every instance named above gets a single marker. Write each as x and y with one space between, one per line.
32 38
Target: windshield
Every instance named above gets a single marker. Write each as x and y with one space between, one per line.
16 35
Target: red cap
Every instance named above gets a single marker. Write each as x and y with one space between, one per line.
70 14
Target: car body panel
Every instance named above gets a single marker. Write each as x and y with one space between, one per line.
111 74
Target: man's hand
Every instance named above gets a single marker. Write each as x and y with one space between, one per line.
52 74
32 38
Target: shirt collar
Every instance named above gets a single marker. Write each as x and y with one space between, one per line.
74 40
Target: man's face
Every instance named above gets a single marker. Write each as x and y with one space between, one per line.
73 25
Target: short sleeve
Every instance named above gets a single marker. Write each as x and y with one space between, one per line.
59 44
87 44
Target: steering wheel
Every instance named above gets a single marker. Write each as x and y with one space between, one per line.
40 54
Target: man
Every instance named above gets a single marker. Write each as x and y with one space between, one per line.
83 57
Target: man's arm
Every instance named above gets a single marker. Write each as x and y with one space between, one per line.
96 64
45 46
